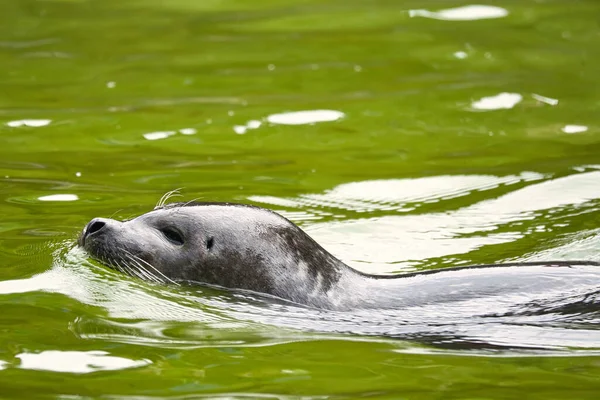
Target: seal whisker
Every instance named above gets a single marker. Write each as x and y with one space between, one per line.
119 264
107 258
137 269
166 197
129 217
187 203
140 262
145 274
116 212
116 263
167 279
130 270
116 267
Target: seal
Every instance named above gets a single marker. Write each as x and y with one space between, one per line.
244 247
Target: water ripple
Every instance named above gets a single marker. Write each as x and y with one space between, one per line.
156 315
398 236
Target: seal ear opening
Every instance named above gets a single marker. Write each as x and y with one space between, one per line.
210 242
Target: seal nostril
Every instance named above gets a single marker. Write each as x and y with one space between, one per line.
94 226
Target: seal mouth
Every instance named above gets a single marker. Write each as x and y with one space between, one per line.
124 261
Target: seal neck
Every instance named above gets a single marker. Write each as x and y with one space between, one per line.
319 280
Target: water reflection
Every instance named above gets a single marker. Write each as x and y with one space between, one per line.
292 118
305 117
165 134
78 362
59 197
252 124
32 123
158 135
400 238
574 128
461 55
499 102
155 315
398 194
188 131
466 13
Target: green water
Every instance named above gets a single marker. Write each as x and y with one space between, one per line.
428 165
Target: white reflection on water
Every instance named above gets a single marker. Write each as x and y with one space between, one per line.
252 124
398 236
158 135
78 362
461 55
165 134
32 123
466 13
188 131
574 128
60 197
578 246
398 194
240 129
292 118
499 102
305 117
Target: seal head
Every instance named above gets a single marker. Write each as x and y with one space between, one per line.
229 245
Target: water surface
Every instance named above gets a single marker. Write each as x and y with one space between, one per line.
402 136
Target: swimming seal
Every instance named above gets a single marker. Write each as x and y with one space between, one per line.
245 247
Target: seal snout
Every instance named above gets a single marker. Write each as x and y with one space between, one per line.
93 227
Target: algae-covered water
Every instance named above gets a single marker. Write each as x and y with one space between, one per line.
402 135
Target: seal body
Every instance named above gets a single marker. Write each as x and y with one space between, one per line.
245 247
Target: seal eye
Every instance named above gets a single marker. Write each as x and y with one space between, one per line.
210 242
173 236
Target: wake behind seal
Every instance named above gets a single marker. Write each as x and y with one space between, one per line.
245 247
